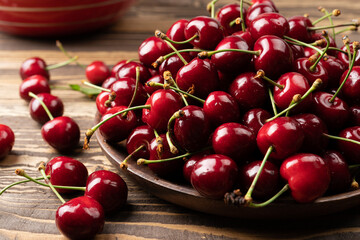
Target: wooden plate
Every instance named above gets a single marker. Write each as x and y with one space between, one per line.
186 196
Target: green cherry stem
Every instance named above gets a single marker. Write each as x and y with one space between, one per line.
335 12
261 74
89 84
243 27
352 28
62 49
169 133
272 199
341 138
333 26
136 86
297 42
43 105
61 64
313 67
211 8
170 80
294 100
208 54
169 42
123 164
17 183
163 36
272 101
42 171
163 58
354 166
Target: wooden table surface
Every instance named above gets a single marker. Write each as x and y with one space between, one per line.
27 211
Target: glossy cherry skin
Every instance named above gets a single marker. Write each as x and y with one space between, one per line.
255 118
246 36
273 47
190 163
339 171
249 92
129 70
235 141
62 133
335 68
35 84
214 175
227 14
344 57
66 171
267 2
7 140
108 82
209 30
284 134
192 130
201 74
117 66
80 218
255 11
176 33
117 128
351 88
141 135
101 99
163 103
269 24
268 182
220 107
124 89
34 66
298 51
108 189
334 114
350 150
151 49
53 103
299 28
97 72
174 63
231 62
302 65
354 118
157 79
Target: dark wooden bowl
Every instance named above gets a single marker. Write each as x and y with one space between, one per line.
186 196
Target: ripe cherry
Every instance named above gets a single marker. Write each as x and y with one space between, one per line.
256 10
129 70
140 136
350 150
298 28
34 66
151 49
7 140
157 79
35 84
97 72
305 67
335 68
108 82
227 14
351 88
174 63
101 100
53 103
345 58
269 24
190 163
124 90
176 33
255 118
117 66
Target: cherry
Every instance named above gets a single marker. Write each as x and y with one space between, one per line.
354 118
246 35
66 171
35 84
53 103
176 33
345 57
151 49
271 23
190 163
351 88
34 66
256 10
228 14
116 67
235 141
140 136
220 107
107 188
298 29
305 67
101 100
129 70
124 90
350 150
307 175
284 134
267 2
108 82
97 72
298 51
7 140
209 31
80 218
255 118
174 63
156 79
62 133
214 175
335 68
268 182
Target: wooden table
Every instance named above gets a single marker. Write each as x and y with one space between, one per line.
27 211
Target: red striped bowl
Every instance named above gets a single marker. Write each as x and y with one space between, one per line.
58 17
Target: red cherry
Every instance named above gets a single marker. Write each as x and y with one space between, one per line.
267 2
35 84
303 65
129 70
151 49
190 163
7 140
101 99
269 24
53 103
97 72
80 218
344 57
354 118
124 90
246 36
34 66
108 189
350 150
141 135
351 88
177 33
156 79
66 171
227 14
174 63
298 29
62 133
108 82
308 176
335 68
116 67
256 10
298 51
214 175
255 118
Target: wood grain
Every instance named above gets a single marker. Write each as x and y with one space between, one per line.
27 211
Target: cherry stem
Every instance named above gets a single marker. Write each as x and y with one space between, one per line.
337 49
354 166
163 58
354 184
170 80
313 67
41 168
208 54
295 99
247 196
89 84
123 164
313 87
297 42
163 36
136 87
355 48
352 28
341 138
211 8
43 105
272 199
335 12
61 64
154 84
243 27
261 74
272 101
159 142
62 49
173 148
169 133
16 183
92 130
332 26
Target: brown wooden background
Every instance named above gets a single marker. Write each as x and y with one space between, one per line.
27 211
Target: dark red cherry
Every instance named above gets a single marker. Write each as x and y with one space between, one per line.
129 70
298 28
249 92
177 33
339 172
108 189
303 65
344 57
141 135
34 66
267 2
80 218
108 82
284 134
151 49
117 66
227 14
192 130
235 141
308 176
53 103
124 89
350 150
256 10
273 47
174 63
269 24
35 84
97 72
255 118
298 51
220 107
101 99
246 36
62 133
190 163
214 175
156 79
209 31
354 119
335 68
7 140
200 74
351 88
163 104
268 182
118 128
66 171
